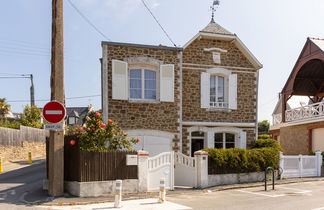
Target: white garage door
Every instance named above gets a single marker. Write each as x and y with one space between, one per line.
153 144
318 139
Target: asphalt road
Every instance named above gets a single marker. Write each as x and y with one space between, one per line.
298 196
18 187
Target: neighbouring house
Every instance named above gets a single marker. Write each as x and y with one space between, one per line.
76 115
203 95
300 129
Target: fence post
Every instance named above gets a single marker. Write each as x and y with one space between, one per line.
300 166
281 164
162 191
142 164
201 158
319 160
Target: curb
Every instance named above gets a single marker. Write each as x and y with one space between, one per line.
179 192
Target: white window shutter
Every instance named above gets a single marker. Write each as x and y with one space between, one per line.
205 90
242 144
167 83
232 93
119 80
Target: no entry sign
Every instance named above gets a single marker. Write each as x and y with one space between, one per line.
54 112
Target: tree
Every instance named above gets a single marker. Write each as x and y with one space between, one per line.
4 108
31 117
263 127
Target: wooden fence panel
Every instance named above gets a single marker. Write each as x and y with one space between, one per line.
85 166
14 137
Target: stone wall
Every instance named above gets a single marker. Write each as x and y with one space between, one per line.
162 116
295 139
13 153
246 101
195 53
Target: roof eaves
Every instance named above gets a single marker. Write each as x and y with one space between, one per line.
141 45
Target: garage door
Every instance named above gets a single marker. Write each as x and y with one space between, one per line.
153 144
318 139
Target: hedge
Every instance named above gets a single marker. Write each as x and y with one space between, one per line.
224 161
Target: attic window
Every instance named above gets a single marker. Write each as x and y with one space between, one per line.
216 52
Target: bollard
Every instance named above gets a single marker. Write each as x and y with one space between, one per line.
1 167
30 161
162 191
118 196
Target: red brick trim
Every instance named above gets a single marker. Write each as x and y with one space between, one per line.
143 154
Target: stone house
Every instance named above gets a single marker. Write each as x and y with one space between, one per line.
203 95
300 129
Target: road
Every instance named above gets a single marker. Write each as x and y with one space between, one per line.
18 187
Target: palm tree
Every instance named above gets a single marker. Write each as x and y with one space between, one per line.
4 108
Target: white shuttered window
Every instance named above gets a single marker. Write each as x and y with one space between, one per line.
167 83
232 93
119 80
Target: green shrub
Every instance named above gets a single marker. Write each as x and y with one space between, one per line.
8 124
264 136
262 143
241 160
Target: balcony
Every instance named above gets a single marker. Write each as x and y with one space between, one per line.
309 113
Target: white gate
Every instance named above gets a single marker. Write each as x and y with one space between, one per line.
300 165
161 166
185 171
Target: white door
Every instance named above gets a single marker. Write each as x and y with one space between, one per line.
153 144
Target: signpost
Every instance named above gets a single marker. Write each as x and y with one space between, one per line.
54 112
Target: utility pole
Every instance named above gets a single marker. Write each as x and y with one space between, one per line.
56 142
32 92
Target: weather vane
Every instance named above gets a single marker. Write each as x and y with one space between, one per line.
213 8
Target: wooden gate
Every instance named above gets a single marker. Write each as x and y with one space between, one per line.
185 171
161 166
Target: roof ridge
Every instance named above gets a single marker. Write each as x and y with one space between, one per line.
215 28
314 38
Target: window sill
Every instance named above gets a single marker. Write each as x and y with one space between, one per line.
215 109
143 101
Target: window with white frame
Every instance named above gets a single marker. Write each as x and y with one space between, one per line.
217 92
224 140
72 120
142 84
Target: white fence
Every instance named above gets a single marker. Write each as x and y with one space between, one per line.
300 165
305 112
161 166
185 172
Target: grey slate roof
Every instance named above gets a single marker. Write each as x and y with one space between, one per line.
215 28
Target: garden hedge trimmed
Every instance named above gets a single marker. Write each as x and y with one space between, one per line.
264 154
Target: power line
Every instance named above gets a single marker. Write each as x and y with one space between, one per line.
148 9
87 20
68 98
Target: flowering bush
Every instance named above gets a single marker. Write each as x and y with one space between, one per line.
95 135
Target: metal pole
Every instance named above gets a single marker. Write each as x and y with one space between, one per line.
56 142
32 91
273 179
265 179
118 196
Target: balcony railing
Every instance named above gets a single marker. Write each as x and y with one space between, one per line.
311 111
219 105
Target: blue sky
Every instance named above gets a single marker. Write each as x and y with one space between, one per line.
275 31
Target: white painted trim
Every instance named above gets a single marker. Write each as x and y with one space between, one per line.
215 49
248 53
104 87
228 124
219 71
299 122
146 132
217 66
234 71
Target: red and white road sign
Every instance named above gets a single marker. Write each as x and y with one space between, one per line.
54 112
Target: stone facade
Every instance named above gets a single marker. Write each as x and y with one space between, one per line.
189 63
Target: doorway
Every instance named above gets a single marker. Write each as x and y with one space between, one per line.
197 141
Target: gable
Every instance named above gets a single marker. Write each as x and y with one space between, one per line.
196 53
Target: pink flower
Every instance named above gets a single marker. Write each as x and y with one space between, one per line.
98 114
102 125
81 129
72 142
110 121
138 140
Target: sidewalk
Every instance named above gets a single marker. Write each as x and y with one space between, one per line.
76 201
14 165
